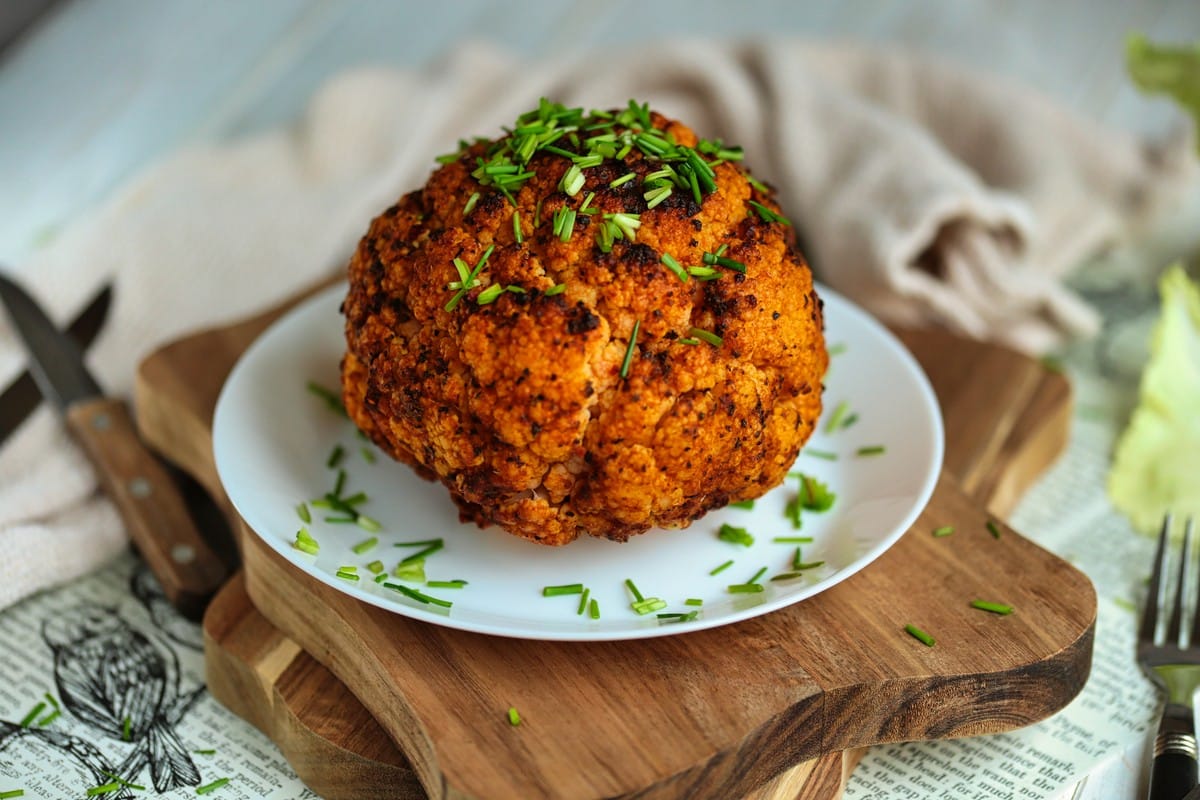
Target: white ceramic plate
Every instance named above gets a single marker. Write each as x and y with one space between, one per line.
272 439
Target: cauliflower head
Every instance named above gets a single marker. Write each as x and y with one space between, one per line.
597 324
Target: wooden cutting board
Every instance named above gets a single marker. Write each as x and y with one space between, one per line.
761 709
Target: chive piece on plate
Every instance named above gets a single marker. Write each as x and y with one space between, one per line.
106 788
304 514
205 752
745 588
583 601
514 717
457 583
743 504
566 588
825 454
945 530
734 535
365 545
920 635
593 609
872 450
335 456
212 787
693 601
722 568
34 713
11 793
835 419
637 596
792 540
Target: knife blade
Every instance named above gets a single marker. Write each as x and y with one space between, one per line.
22 396
149 503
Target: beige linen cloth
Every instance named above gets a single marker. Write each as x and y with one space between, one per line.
923 191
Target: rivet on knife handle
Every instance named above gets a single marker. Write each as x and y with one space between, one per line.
150 504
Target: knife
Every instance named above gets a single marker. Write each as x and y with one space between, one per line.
149 503
22 396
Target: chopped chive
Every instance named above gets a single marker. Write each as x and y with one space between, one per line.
677 616
205 752
124 782
583 601
375 567
656 196
757 184
567 588
872 450
346 575
303 512
586 208
687 341
126 730
768 215
757 575
516 219
335 456
331 398
814 495
106 788
489 294
340 520
637 596
744 588
419 543
801 566
945 530
412 571
368 524
622 180
693 601
568 225
366 545
704 273
34 713
470 206
995 608
792 510
306 546
432 546
572 181
514 717
792 540
557 288
836 349
708 336
825 454
381 577
742 504
420 597
11 793
787 576
722 568
457 583
212 787
339 484
625 364
920 635
367 454
835 419
850 420
734 535
593 609
675 267
650 604
46 720
993 529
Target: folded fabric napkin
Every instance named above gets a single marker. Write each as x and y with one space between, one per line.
925 192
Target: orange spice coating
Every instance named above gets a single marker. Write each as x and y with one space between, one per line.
518 405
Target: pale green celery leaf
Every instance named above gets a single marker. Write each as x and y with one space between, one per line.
1173 71
1156 467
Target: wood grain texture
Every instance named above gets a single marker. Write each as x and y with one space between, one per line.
811 693
149 503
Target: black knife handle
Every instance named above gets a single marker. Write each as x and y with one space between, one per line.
1173 774
150 504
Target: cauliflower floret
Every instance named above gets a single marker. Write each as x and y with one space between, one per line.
491 318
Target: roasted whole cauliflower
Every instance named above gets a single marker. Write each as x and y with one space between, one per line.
596 324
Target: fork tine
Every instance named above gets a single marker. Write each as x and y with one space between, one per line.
1187 535
1155 598
1176 624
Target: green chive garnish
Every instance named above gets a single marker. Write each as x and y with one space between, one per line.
34 713
348 573
920 635
768 215
995 608
693 601
124 782
467 278
745 588
677 616
418 596
126 730
637 596
873 450
305 543
583 601
708 336
674 266
792 540
704 273
514 718
205 752
622 180
106 788
331 398
557 288
993 529
835 419
593 609
836 349
787 576
365 545
825 454
743 504
717 259
517 235
428 546
722 568
733 535
656 196
757 575
381 577
411 571
367 454
567 588
650 604
303 512
470 206
457 583
489 294
625 364
11 793
212 787
338 485
945 530
375 567
368 524
848 421
335 456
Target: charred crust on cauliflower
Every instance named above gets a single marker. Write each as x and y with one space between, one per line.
490 314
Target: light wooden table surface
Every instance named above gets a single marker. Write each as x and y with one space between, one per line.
96 90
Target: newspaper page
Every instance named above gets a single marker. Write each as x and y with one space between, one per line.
170 737
1097 746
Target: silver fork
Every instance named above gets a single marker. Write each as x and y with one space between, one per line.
1171 659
